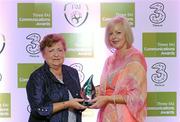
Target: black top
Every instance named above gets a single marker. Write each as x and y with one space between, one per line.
43 89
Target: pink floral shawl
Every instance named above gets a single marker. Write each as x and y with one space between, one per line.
127 77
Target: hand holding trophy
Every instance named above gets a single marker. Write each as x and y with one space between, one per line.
88 91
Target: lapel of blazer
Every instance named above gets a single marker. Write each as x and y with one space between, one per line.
71 81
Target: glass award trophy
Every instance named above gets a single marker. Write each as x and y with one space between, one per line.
88 91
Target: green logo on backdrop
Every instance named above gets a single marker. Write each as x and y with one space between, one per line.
24 71
109 10
161 104
34 15
79 45
159 44
5 105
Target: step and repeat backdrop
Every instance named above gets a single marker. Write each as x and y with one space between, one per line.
23 23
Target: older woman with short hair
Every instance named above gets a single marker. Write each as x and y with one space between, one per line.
53 89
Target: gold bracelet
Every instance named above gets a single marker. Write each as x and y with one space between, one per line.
114 99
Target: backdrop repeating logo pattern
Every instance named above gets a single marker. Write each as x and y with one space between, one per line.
162 104
158 15
159 44
76 13
86 47
109 10
5 105
160 76
34 15
33 47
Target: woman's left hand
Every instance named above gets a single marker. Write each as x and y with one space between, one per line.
99 102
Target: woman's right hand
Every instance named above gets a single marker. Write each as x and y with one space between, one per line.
99 102
75 104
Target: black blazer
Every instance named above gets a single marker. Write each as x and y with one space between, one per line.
43 89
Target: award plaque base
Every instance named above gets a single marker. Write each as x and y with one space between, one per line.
87 103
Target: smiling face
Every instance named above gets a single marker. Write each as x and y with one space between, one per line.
118 34
116 37
54 55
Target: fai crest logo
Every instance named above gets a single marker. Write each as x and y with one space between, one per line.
160 76
76 13
2 43
33 47
79 68
158 15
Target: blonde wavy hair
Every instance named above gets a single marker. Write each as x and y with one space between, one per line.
125 26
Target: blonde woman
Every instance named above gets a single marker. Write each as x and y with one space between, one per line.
123 86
